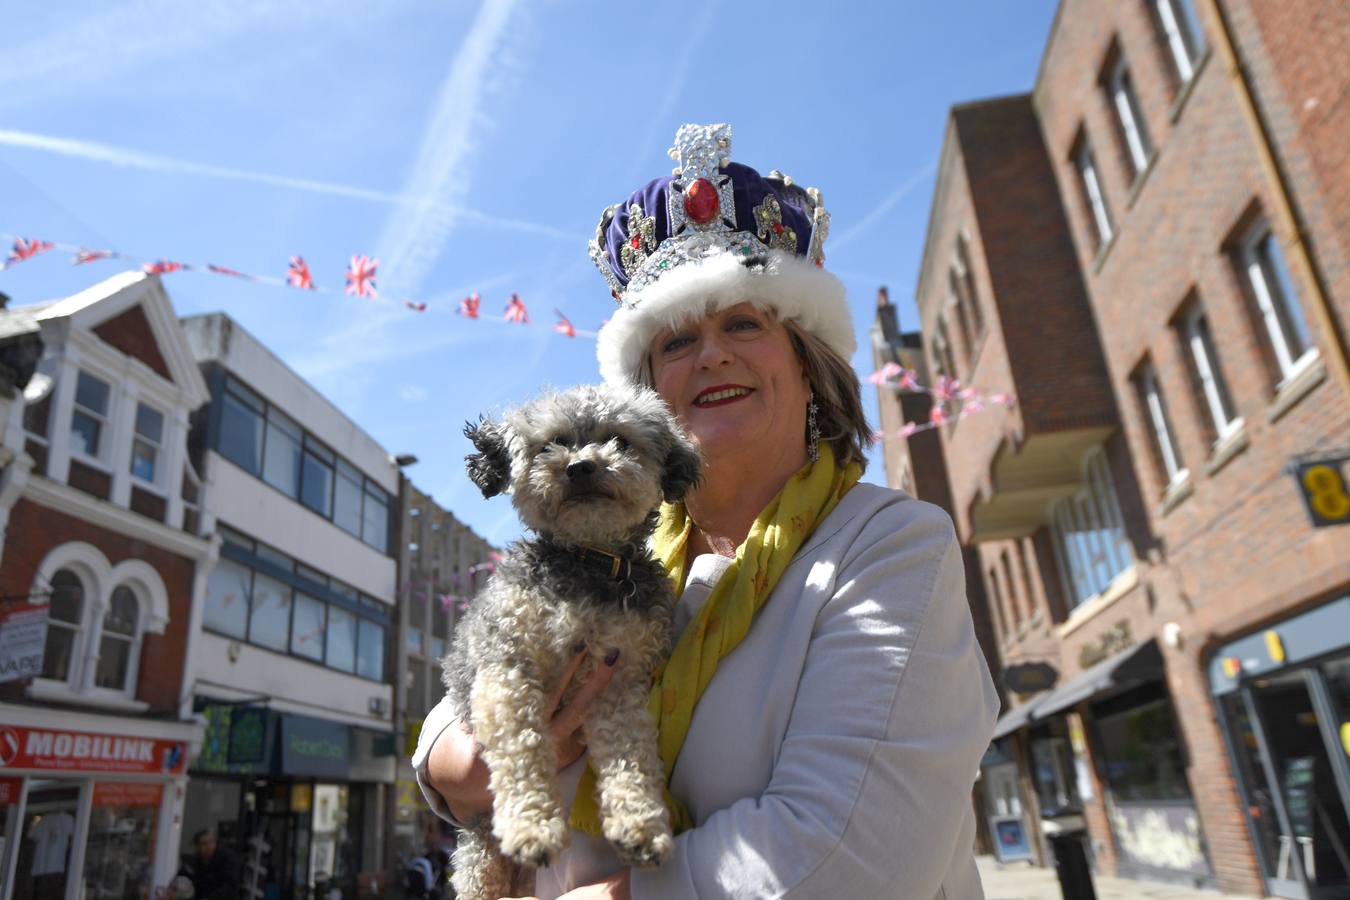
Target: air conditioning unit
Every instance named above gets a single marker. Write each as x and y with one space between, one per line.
379 706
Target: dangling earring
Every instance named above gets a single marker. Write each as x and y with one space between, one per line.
812 429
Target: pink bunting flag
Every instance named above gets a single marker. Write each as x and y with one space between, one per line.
515 311
468 307
414 306
164 267
938 414
297 274
908 429
495 556
233 273
972 406
946 388
83 256
563 326
25 248
1007 401
361 276
885 373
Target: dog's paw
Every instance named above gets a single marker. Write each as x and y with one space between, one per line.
535 844
645 853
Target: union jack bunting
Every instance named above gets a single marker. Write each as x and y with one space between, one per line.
361 277
83 256
938 414
563 326
515 311
164 267
468 307
221 270
414 306
297 274
26 248
946 389
885 373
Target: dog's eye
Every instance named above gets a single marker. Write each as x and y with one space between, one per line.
620 440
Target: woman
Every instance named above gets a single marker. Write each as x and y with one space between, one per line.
825 708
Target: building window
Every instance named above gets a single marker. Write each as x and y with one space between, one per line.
957 306
117 643
260 595
965 280
1129 119
262 440
64 616
996 603
1205 371
942 349
90 416
1150 395
146 444
1273 289
1141 754
1089 534
1092 192
1181 30
1012 590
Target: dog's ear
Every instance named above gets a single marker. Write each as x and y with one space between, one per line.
490 467
682 467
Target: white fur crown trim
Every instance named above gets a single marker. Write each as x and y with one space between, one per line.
791 285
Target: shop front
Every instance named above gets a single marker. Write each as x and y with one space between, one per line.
90 805
300 799
1283 696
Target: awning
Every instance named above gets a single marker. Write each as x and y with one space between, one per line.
1015 718
1140 664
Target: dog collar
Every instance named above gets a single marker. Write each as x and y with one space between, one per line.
620 568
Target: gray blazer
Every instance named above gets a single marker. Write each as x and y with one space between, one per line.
834 751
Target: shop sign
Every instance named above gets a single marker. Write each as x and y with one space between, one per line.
1010 839
1112 641
128 793
77 751
23 635
1321 483
247 744
314 747
1030 678
9 791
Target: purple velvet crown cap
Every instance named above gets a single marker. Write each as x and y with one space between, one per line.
749 189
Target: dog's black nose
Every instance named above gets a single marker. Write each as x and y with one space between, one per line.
580 470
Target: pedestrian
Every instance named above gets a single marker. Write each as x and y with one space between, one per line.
215 869
825 708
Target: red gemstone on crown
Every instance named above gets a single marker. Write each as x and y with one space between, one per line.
777 227
636 242
700 202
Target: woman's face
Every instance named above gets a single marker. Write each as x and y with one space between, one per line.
735 383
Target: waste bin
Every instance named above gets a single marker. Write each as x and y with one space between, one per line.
1071 865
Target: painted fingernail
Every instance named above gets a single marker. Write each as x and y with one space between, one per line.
578 646
612 657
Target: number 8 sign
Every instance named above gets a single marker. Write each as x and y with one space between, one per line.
1322 483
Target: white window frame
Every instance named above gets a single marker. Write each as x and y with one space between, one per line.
1086 164
1129 116
1260 255
101 458
157 482
1204 355
1093 511
100 579
1184 37
1162 430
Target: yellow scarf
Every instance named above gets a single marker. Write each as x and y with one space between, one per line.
724 620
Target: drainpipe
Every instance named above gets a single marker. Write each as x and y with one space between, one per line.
1290 219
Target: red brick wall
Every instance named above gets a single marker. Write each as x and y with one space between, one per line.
35 530
1239 550
130 332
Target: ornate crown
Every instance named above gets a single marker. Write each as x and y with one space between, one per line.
708 206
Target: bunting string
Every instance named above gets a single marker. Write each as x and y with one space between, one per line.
951 399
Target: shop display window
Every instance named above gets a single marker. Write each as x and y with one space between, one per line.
46 840
117 858
1139 748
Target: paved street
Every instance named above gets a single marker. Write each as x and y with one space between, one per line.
1019 881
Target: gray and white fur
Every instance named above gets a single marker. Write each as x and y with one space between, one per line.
586 469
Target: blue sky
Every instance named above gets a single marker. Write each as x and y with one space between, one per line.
470 146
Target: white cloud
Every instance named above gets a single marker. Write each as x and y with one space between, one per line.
136 159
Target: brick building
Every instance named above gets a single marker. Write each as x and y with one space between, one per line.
1149 250
101 548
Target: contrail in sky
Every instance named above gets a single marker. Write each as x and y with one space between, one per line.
415 235
151 162
883 207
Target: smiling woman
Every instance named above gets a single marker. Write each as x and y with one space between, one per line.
825 707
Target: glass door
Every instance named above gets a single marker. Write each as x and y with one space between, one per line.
50 818
1316 833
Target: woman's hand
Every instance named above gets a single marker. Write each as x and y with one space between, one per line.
455 766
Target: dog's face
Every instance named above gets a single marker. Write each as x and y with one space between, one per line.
586 465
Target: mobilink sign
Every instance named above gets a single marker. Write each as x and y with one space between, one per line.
50 748
315 747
